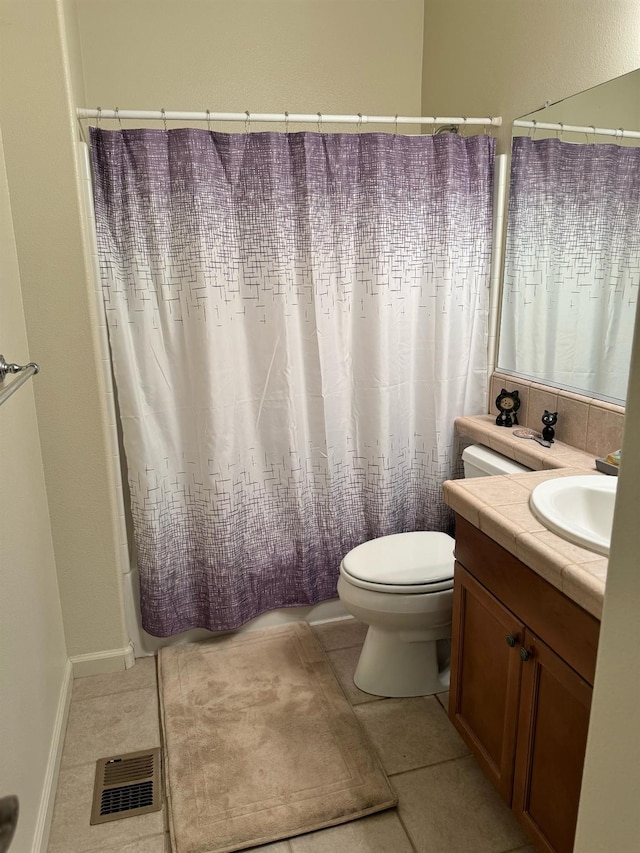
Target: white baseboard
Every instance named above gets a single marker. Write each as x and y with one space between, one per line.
98 663
112 660
45 812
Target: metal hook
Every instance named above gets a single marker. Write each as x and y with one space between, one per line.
117 112
446 128
319 122
247 122
164 117
464 127
286 121
99 117
359 122
621 129
560 132
586 133
208 121
532 130
396 124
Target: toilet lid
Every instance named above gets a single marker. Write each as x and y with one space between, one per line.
415 559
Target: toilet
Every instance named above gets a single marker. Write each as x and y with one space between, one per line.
401 586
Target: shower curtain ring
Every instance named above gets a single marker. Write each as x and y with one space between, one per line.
621 129
247 122
396 124
208 121
286 121
560 131
99 117
464 127
532 130
359 122
319 122
117 112
164 117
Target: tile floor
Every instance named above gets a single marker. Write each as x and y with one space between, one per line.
445 803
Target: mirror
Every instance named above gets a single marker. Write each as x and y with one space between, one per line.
572 256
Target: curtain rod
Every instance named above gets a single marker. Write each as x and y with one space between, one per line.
620 133
282 118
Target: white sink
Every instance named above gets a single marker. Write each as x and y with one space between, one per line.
579 509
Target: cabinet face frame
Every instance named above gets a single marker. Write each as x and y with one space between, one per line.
500 711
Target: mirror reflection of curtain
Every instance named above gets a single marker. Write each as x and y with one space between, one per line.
572 264
295 321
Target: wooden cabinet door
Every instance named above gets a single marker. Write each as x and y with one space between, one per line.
485 678
552 735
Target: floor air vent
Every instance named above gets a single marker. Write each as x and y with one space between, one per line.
126 785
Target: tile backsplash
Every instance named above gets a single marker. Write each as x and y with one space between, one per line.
587 424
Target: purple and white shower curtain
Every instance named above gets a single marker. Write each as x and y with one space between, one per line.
572 264
295 322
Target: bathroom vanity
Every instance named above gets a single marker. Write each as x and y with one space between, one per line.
523 660
525 630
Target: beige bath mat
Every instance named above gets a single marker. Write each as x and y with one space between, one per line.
261 742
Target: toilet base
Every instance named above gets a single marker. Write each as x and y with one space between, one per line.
392 667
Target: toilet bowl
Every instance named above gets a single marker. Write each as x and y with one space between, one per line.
401 586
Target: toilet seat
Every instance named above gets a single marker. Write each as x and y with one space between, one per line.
402 563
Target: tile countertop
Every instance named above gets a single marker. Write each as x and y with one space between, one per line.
499 507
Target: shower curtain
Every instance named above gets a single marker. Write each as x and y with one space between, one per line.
295 321
572 263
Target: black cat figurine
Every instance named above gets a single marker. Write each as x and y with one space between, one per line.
549 419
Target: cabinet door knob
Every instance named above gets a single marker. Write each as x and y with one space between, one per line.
511 640
525 654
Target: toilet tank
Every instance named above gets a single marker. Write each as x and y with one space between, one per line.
479 461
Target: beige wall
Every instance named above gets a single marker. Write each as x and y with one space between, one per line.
32 648
508 58
296 55
70 400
